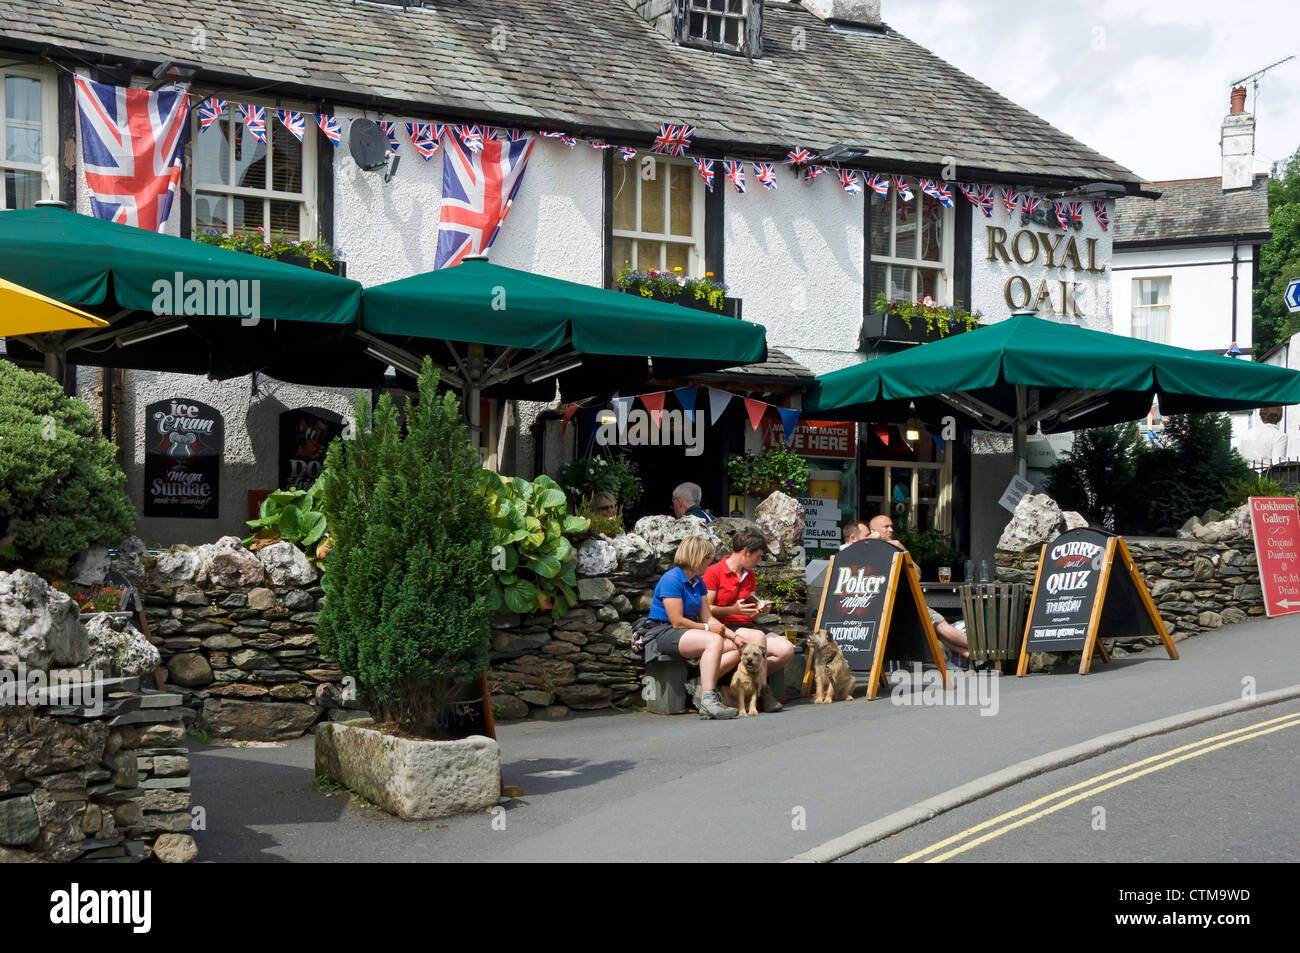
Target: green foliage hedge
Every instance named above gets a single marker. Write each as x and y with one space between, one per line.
61 489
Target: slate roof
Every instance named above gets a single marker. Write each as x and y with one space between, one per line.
1193 210
590 67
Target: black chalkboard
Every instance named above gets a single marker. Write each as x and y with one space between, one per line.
305 435
184 440
872 607
1088 587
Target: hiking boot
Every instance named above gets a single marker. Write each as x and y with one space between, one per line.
767 701
710 705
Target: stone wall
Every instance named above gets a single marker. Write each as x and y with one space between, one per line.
544 667
98 786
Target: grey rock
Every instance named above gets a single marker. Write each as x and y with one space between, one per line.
118 648
229 565
298 601
179 564
598 591
190 669
19 822
781 519
508 707
38 624
221 642
286 565
1036 519
175 848
261 599
596 557
257 721
91 567
251 659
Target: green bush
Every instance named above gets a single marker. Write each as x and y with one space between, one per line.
534 565
760 474
1096 476
61 489
293 516
409 570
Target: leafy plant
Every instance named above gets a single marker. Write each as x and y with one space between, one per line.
61 489
1239 491
600 524
103 599
409 571
785 591
939 319
929 547
320 254
671 284
759 474
615 474
292 516
534 564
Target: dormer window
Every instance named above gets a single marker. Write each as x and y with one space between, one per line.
724 26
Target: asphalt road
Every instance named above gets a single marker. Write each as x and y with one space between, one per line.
1221 791
636 787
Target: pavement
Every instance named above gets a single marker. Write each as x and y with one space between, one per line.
813 783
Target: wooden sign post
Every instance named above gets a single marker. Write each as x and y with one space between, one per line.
1078 599
872 606
1275 524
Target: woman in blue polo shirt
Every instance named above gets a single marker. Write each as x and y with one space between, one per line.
681 624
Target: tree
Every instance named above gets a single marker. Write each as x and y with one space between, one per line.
1096 477
61 489
1279 260
409 570
1191 473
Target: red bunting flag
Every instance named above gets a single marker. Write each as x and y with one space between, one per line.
756 409
655 404
881 431
568 415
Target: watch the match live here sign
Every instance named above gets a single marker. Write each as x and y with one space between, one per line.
1275 524
1080 597
871 605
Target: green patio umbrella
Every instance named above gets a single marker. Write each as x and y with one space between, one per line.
1028 370
172 304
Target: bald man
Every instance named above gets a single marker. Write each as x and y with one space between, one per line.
882 527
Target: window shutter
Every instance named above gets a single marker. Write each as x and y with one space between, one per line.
754 29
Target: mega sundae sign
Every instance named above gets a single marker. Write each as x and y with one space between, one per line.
183 459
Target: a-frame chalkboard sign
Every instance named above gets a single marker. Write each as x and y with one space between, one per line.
872 606
1080 598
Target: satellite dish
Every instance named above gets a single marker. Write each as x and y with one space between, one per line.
368 144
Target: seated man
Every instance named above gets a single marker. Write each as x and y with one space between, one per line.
686 502
730 583
882 527
854 531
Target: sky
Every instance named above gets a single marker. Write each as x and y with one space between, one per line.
1144 82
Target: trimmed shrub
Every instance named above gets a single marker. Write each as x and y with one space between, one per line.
409 569
61 489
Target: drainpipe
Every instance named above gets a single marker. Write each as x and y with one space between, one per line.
1234 291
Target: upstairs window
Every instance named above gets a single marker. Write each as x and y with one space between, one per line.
1151 309
728 26
911 246
658 219
28 105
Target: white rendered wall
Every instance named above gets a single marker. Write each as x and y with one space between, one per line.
795 257
1087 293
1200 293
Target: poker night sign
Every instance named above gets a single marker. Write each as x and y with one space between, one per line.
184 440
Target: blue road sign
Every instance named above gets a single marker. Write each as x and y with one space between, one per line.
1292 296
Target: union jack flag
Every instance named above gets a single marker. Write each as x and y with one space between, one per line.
980 196
1010 200
1030 205
673 140
935 190
567 140
254 119
390 130
293 121
132 141
1075 212
210 111
798 156
478 186
421 136
878 184
811 172
1062 214
597 144
849 182
626 153
735 172
705 167
471 137
332 128
1099 209
766 173
512 135
904 192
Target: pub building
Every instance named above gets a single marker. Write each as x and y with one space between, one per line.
893 175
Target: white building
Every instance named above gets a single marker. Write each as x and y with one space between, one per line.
808 260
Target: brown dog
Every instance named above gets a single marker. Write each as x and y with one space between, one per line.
834 680
747 680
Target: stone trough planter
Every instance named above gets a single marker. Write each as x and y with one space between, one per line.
414 780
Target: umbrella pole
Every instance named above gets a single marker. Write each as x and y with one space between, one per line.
1019 433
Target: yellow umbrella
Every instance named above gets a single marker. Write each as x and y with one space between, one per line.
23 311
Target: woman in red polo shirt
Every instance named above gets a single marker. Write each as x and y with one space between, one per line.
730 583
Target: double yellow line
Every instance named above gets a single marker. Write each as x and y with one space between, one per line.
1092 787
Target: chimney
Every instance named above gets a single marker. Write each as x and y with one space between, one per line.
1237 141
846 12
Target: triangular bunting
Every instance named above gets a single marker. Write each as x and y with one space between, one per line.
756 409
790 419
568 415
686 397
718 401
621 405
881 431
655 404
936 434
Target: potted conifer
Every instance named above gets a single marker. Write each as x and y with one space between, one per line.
406 607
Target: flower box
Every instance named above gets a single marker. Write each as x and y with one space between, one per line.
890 327
731 307
339 267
